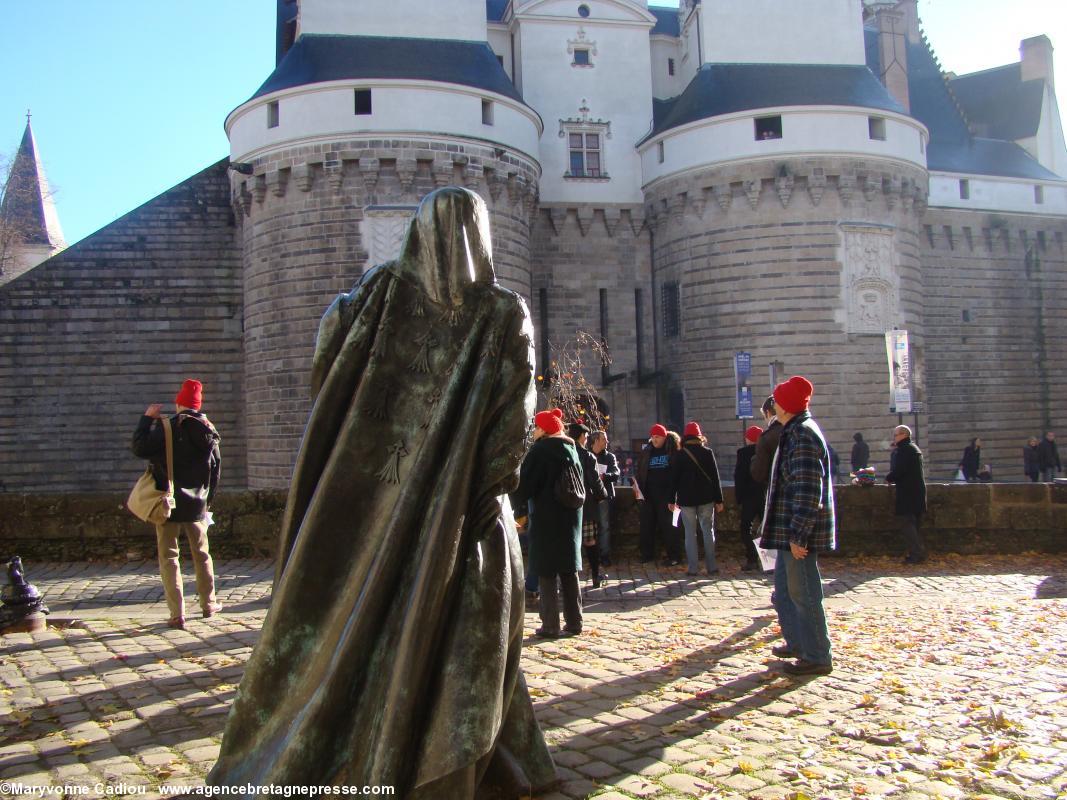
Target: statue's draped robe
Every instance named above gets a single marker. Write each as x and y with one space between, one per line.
390 655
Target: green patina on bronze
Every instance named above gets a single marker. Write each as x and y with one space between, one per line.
390 655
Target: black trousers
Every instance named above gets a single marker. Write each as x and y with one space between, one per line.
592 552
749 514
656 523
572 602
909 532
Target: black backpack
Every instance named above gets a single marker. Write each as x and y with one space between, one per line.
569 488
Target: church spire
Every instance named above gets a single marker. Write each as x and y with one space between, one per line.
29 224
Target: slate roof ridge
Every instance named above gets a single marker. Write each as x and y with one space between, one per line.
944 77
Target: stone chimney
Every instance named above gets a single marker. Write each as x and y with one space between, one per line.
892 42
1036 55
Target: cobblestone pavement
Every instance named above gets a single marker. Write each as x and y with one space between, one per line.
950 681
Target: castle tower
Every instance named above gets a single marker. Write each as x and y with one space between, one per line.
367 111
29 224
783 188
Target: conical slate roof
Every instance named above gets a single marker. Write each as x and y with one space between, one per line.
27 209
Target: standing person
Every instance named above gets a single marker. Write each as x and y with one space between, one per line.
1031 460
972 460
767 445
197 466
910 480
861 452
1048 457
594 496
608 467
653 476
696 489
555 529
749 496
799 523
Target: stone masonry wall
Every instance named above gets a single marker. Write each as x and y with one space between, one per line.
804 262
963 518
996 323
89 338
302 214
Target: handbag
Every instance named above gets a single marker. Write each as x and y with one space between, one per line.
148 503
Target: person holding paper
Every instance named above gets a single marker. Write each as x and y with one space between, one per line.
654 486
607 465
697 493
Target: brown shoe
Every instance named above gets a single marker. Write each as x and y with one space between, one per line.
784 651
212 609
802 667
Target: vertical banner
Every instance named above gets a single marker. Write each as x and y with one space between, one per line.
743 385
896 348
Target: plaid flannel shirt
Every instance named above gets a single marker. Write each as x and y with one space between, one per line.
800 505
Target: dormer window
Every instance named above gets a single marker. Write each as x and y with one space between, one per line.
876 128
586 153
581 57
768 128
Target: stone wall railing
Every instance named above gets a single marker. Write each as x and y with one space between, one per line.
963 518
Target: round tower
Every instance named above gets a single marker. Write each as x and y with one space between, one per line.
331 156
784 201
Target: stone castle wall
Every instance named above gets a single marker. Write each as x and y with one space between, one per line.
802 262
996 323
314 217
91 337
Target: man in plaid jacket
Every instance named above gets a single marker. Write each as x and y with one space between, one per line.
799 523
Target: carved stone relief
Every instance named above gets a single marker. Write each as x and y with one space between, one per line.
870 278
383 233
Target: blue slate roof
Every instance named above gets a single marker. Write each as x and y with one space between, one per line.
667 21
719 89
494 9
952 146
999 103
317 58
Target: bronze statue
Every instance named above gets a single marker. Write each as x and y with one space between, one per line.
390 655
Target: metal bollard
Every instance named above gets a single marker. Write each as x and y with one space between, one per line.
23 608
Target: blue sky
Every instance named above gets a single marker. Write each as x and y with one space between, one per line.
129 96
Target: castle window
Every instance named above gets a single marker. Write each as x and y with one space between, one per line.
670 66
487 112
660 152
273 114
965 189
581 57
1039 194
583 10
672 309
585 155
363 102
876 128
768 127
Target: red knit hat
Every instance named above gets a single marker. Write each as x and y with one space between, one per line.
794 394
657 430
692 429
753 433
191 395
551 421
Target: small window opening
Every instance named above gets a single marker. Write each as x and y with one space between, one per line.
1039 194
273 114
876 128
965 189
966 315
672 309
660 152
581 57
363 101
487 112
922 142
768 127
583 10
670 66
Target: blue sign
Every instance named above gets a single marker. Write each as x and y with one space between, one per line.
743 385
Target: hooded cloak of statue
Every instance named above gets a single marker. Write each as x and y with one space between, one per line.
390 655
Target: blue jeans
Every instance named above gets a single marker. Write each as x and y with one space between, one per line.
798 601
705 515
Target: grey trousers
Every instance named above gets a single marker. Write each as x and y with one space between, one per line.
549 604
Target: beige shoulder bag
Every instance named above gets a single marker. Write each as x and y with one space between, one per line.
148 503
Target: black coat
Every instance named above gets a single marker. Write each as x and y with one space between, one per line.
594 487
748 492
971 462
1031 462
197 461
909 478
555 531
608 459
861 455
766 446
693 485
1048 455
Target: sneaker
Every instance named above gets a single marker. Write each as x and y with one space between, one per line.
212 609
541 633
176 622
802 667
784 651
599 579
673 562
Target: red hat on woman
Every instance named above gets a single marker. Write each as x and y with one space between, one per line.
753 432
657 430
794 394
551 421
191 395
692 429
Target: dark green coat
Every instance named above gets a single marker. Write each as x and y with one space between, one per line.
555 531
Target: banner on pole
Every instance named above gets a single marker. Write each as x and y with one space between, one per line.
896 348
743 385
